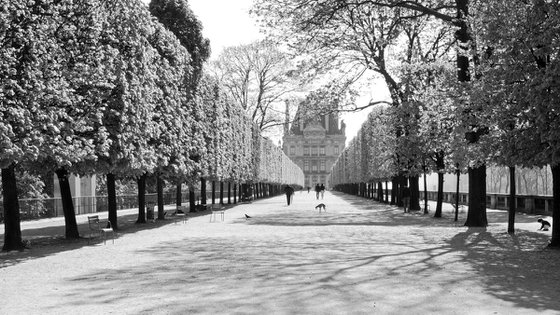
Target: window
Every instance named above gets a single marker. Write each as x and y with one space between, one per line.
306 165
292 150
323 166
336 150
314 166
313 150
321 150
306 151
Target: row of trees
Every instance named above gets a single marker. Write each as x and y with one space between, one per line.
113 87
471 83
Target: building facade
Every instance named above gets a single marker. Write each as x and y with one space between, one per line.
315 145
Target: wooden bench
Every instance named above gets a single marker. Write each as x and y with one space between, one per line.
96 228
215 211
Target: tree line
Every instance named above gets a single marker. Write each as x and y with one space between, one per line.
116 88
471 83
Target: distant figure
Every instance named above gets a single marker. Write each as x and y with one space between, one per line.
308 189
317 190
406 198
545 225
247 217
322 191
289 193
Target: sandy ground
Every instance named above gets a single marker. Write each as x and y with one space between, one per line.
360 257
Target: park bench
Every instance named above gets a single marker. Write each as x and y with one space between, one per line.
96 228
216 210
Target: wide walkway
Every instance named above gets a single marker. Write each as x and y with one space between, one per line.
360 257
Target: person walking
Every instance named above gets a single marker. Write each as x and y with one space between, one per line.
322 191
317 191
289 193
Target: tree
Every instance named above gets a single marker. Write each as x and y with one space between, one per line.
257 77
179 19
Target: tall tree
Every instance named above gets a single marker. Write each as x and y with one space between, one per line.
257 76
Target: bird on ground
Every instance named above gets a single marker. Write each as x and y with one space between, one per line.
247 217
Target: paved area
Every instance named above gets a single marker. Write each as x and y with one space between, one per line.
360 257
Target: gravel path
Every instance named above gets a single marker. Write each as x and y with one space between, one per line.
360 257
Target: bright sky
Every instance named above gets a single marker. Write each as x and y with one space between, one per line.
228 23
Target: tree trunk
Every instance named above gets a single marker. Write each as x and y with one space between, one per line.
457 196
439 201
221 193
213 192
512 199
141 181
386 192
203 200
159 188
235 193
112 201
425 194
555 241
229 193
476 216
192 202
394 189
414 192
179 194
380 191
12 227
71 227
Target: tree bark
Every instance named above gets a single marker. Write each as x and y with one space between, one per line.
112 200
458 172
141 181
414 192
71 227
425 194
179 194
221 193
203 200
229 193
512 199
12 226
555 241
192 201
213 192
439 201
476 216
235 193
159 188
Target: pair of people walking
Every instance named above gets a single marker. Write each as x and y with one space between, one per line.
320 191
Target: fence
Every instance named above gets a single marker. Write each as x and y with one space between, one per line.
524 203
52 207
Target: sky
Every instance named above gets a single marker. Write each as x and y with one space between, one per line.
228 23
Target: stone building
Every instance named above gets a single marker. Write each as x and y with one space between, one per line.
314 145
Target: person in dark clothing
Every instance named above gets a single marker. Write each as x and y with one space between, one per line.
289 193
322 191
406 198
545 225
317 190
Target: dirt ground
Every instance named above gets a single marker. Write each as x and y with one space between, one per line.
360 257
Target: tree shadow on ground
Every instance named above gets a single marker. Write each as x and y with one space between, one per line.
515 268
45 241
287 274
